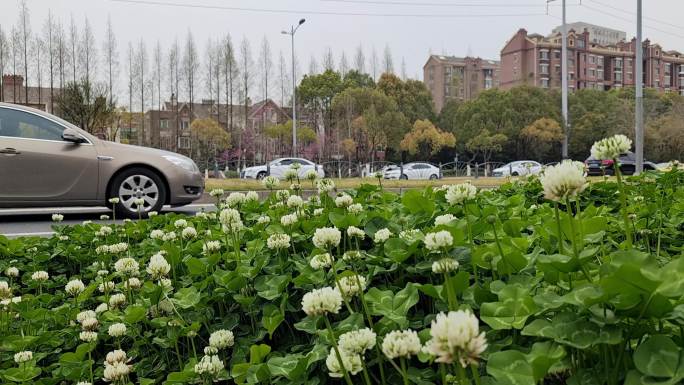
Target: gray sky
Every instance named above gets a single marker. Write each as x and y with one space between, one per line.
451 28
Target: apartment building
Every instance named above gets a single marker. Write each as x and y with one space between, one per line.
535 60
463 78
13 90
599 34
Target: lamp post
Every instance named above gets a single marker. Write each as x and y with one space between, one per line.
639 97
293 30
564 81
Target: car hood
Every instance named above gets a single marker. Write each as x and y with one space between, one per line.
133 149
500 169
255 168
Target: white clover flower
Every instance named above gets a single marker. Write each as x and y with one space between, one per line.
12 272
87 336
311 175
444 265
235 199
158 267
101 308
211 246
411 236
139 203
456 336
74 287
221 339
127 266
63 237
318 212
382 235
117 330
352 255
252 196
344 200
117 372
352 364
169 237
210 350
117 300
209 365
90 324
357 341
104 217
564 180
459 193
444 219
611 148
325 185
289 219
114 200
355 232
102 273
84 315
349 287
118 248
84 383
321 261
201 214
295 201
401 343
5 290
157 234
278 241
165 284
314 200
102 249
290 174
180 223
127 220
270 182
152 214
103 231
327 237
295 187
133 283
87 222
189 233
57 217
321 301
116 356
356 208
282 195
217 192
24 356
264 220
438 241
231 221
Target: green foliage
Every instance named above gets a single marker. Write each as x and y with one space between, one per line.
86 107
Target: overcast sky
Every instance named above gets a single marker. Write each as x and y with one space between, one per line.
447 26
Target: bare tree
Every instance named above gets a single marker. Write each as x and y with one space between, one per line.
230 73
344 64
141 68
190 66
328 59
87 56
131 85
73 41
49 33
374 63
37 57
62 52
158 62
387 61
174 81
313 66
265 64
246 61
16 53
217 48
360 59
283 79
3 58
404 76
25 28
111 57
210 56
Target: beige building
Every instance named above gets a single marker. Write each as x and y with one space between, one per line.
461 78
14 91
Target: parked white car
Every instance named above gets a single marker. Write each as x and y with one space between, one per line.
517 168
415 170
278 167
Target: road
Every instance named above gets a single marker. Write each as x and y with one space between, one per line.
38 221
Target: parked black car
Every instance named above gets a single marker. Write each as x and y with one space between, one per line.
606 167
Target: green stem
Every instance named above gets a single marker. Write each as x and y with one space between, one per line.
402 362
442 372
337 350
365 371
560 231
470 238
501 252
623 204
476 374
451 296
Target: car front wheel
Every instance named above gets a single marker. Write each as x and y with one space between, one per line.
134 184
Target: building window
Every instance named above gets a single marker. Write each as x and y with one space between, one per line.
600 61
185 124
184 143
489 83
557 54
592 59
545 83
164 123
592 72
544 54
618 77
629 63
618 63
558 69
544 69
599 74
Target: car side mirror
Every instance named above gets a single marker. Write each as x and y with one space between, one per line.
70 135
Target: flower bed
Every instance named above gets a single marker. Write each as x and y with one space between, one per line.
541 281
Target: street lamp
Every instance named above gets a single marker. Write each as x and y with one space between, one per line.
564 80
293 30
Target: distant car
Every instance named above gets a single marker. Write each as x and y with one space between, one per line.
278 167
46 161
415 170
606 167
517 168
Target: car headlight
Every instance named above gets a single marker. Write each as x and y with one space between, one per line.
184 163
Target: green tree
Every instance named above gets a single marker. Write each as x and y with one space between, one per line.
541 137
281 135
316 93
355 78
426 140
486 144
412 97
208 138
87 107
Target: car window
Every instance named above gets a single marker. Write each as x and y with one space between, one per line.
20 124
420 166
285 162
303 162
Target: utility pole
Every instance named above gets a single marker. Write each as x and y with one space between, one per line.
292 32
564 80
639 108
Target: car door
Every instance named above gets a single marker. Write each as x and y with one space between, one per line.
306 166
36 165
278 169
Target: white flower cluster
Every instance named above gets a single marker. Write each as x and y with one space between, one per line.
401 343
295 201
344 200
327 237
456 336
231 221
12 272
289 219
611 148
351 362
180 223
311 175
189 233
438 241
40 276
24 356
278 241
352 255
169 237
235 199
156 234
411 236
351 285
382 235
209 365
221 339
117 330
74 287
325 185
106 287
444 219
252 196
127 266
321 301
282 195
217 192
117 248
5 290
133 283
158 267
321 261
444 265
564 180
57 217
356 208
210 246
117 301
270 182
264 220
459 193
104 231
357 341
355 232
116 366
290 174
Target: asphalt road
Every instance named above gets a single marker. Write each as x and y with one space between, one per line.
38 221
